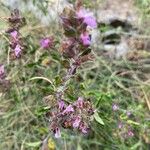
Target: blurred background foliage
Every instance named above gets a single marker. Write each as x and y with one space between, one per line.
105 81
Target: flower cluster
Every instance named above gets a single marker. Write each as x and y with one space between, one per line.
76 23
72 116
16 22
75 47
125 128
47 42
86 17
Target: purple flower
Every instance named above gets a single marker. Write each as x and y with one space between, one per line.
85 39
130 133
57 133
87 17
79 102
68 109
83 128
76 122
14 34
2 71
90 21
46 42
17 50
61 105
115 107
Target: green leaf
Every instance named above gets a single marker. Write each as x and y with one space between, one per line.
134 147
98 119
58 80
123 117
34 144
86 52
133 122
41 111
79 147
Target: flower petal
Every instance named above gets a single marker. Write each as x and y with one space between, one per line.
57 133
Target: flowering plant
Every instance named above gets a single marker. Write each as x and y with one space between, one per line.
75 49
77 85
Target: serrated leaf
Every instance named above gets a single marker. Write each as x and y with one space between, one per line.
98 118
34 144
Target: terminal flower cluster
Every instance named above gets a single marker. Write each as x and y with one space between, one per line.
75 47
16 22
76 22
72 116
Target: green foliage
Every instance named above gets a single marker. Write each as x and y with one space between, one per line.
34 144
98 119
22 107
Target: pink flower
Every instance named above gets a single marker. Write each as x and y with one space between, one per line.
17 50
14 34
90 21
80 102
83 128
76 122
57 133
115 107
68 109
2 71
85 39
130 133
87 17
46 42
61 105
